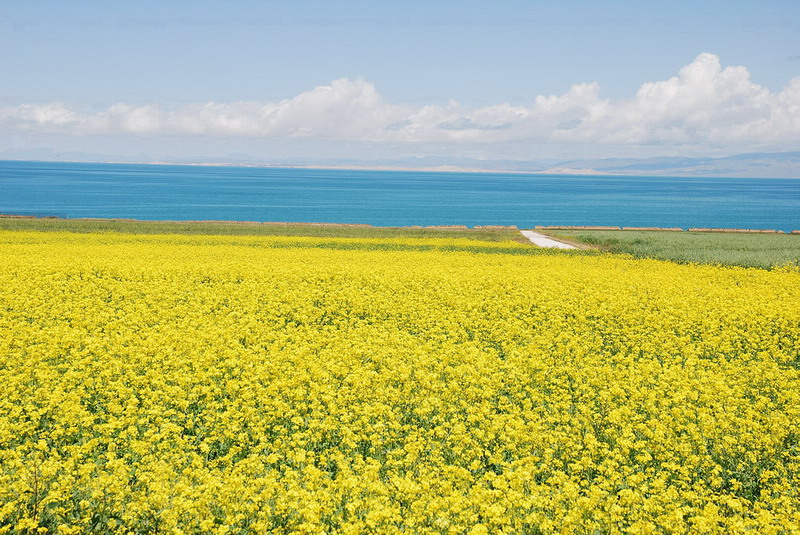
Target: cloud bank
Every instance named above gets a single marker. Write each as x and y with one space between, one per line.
704 105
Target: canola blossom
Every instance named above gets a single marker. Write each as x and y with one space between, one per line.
229 384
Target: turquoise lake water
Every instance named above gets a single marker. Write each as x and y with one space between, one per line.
392 198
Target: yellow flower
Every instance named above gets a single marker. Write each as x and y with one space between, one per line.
288 385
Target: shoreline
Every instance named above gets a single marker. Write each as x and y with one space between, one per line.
249 223
407 227
552 171
354 167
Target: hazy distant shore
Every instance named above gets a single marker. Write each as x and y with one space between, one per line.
431 169
753 165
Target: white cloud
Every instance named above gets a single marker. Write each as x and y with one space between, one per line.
704 105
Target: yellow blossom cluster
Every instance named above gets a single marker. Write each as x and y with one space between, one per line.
230 384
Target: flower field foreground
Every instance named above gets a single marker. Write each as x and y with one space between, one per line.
195 384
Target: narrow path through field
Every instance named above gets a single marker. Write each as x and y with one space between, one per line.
540 240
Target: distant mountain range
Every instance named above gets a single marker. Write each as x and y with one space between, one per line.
754 165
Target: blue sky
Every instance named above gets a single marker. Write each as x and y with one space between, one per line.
63 63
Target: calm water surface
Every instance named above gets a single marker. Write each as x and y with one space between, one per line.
389 198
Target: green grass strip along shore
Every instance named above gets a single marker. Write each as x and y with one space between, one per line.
765 251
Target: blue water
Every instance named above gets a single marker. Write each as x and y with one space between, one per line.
392 198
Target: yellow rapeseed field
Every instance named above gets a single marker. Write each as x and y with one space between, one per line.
199 384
